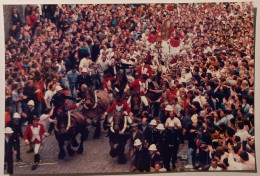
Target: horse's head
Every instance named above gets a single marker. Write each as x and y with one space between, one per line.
120 82
62 120
89 97
136 103
118 122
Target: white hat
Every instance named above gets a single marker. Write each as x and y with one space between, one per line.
152 147
84 70
137 142
31 102
169 108
8 130
160 127
16 115
153 122
58 88
194 118
171 124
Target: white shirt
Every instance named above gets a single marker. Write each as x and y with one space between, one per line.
45 120
242 134
215 169
174 120
48 96
85 63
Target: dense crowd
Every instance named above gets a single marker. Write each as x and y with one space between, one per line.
200 56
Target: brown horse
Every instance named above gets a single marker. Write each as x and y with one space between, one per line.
67 128
136 104
117 135
96 103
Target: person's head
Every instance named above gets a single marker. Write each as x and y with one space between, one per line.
52 87
8 132
153 124
35 120
137 143
157 166
144 121
244 156
31 104
134 126
152 149
214 163
240 125
16 116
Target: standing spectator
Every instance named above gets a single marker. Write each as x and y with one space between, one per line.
72 78
10 149
141 161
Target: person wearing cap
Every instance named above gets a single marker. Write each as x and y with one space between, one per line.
172 136
16 126
154 156
84 78
152 134
140 86
142 157
162 145
146 68
72 76
10 149
135 133
34 135
31 112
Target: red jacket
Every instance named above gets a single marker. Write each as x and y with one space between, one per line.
37 138
115 107
139 86
107 84
152 39
142 70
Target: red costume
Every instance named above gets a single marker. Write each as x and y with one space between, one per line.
176 42
152 39
34 133
139 85
141 70
107 83
116 107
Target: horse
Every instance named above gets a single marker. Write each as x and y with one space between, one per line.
136 104
96 103
67 127
118 136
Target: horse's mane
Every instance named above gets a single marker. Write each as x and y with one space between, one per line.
90 91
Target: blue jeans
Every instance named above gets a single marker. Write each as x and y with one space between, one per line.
190 155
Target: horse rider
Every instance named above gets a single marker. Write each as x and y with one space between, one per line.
59 101
108 84
34 135
145 69
119 105
140 86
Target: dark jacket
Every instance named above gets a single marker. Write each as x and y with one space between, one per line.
83 80
146 131
152 136
142 159
59 99
31 114
139 135
154 158
17 128
9 147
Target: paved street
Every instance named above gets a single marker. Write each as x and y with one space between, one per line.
95 159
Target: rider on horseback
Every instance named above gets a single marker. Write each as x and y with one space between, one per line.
59 101
118 106
140 86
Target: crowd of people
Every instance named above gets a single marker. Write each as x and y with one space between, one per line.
200 56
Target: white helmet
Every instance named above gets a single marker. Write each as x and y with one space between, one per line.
137 142
31 103
58 88
153 122
8 130
152 147
16 115
160 127
168 108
